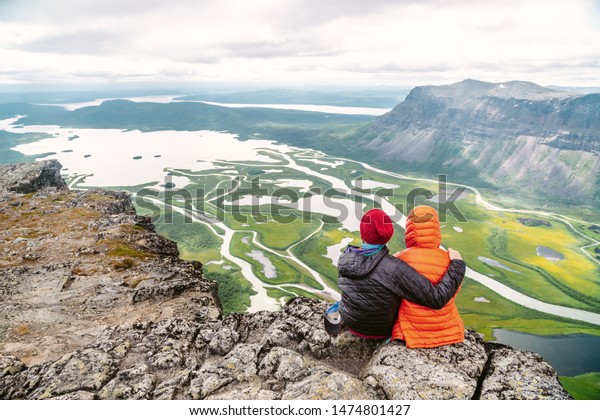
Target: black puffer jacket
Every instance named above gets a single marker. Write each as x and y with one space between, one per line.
373 287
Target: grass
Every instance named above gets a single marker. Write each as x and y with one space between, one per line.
286 271
500 236
234 291
591 230
204 256
32 233
195 241
9 140
279 235
302 292
124 250
217 266
583 387
279 294
93 196
528 201
63 220
124 264
500 312
578 272
312 252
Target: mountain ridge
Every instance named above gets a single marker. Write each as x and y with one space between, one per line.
515 137
514 134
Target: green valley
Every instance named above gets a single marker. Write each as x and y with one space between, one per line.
269 218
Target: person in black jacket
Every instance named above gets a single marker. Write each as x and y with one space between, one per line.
373 283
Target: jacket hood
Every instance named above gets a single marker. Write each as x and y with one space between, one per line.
354 265
423 228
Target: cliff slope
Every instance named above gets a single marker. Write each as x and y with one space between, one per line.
96 305
513 135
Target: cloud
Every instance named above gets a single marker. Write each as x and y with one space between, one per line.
275 48
335 41
70 11
84 41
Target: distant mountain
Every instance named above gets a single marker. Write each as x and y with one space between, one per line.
515 136
64 97
375 98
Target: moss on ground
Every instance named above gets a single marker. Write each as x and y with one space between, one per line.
583 387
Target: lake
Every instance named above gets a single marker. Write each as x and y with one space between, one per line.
569 354
329 109
128 158
164 99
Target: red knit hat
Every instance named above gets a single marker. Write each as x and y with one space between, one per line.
376 227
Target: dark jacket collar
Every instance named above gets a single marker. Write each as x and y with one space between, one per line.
353 265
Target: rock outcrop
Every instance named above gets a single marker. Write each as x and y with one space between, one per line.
73 262
96 305
30 177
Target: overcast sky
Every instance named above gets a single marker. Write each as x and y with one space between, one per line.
295 42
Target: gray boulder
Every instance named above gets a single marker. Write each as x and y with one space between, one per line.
25 178
167 359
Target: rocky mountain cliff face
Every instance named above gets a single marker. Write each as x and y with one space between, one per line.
96 305
513 134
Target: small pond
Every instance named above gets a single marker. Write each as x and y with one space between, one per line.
549 253
497 264
569 354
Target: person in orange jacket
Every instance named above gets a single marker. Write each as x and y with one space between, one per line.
419 326
373 283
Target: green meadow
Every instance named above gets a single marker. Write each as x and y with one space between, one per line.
478 233
285 272
500 236
583 387
484 310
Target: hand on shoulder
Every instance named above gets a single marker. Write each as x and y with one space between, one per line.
454 254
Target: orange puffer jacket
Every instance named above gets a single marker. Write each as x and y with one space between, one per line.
417 325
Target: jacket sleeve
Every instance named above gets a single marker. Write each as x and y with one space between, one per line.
409 284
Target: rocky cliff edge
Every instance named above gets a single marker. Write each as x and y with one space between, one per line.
96 305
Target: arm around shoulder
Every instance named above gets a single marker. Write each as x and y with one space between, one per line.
418 289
